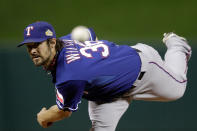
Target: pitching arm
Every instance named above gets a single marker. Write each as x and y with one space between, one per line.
68 96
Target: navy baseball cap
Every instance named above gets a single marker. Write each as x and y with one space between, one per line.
38 32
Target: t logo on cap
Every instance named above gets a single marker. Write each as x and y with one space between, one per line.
29 29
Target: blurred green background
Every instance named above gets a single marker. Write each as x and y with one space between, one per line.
25 89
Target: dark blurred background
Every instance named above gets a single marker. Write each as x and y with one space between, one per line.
25 89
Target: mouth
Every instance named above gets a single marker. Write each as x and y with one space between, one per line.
35 57
36 60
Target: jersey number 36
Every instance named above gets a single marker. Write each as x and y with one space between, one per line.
95 46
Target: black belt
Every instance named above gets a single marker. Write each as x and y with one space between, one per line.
141 75
137 50
139 78
143 72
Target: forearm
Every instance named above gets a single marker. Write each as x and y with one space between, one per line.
57 114
54 114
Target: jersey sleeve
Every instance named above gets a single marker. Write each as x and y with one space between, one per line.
69 94
66 37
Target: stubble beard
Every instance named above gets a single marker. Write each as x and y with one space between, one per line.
41 61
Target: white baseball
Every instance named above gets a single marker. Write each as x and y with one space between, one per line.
80 33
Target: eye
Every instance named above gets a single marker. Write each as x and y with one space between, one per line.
34 45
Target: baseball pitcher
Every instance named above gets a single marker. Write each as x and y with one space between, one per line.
108 75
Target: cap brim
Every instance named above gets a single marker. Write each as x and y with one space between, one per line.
31 41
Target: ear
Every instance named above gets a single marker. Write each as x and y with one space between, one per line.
53 42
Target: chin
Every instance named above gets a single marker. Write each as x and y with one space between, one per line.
37 65
37 62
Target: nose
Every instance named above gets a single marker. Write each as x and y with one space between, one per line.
33 51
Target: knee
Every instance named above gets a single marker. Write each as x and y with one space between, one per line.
175 95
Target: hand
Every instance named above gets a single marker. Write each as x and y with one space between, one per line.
43 119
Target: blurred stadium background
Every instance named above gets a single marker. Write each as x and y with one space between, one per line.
25 89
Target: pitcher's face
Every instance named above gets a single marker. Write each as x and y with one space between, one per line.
40 52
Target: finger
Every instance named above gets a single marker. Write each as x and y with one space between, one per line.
46 124
49 124
44 109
